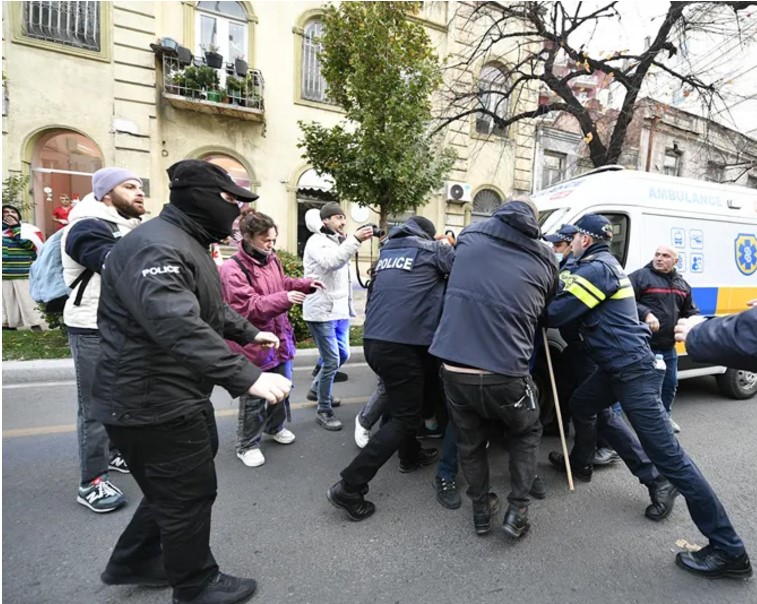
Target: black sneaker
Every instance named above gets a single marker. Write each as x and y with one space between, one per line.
713 563
223 589
446 493
425 458
538 490
663 495
148 574
328 420
516 523
313 396
557 460
118 464
424 432
482 515
354 504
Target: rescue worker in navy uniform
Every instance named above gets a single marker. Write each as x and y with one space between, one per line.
163 322
600 297
498 289
403 313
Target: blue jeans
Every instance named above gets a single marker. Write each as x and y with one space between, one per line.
333 341
93 440
638 389
670 381
447 466
256 417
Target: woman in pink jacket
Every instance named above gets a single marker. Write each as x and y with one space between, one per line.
254 284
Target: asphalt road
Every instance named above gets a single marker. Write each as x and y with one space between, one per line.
274 522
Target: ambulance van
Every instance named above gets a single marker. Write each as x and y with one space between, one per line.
712 226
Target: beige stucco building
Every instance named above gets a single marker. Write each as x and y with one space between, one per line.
86 89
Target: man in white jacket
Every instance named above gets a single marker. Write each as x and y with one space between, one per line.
328 311
96 224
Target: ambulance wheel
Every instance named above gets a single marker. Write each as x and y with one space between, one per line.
737 383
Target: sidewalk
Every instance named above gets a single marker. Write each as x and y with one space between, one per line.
62 370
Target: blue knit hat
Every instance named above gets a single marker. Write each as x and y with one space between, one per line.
107 179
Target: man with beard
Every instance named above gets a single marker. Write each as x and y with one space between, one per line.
327 312
163 322
100 220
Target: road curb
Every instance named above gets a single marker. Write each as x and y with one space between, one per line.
62 370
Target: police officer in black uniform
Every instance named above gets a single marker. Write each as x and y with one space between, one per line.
598 294
403 313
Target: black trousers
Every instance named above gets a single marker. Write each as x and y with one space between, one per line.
475 401
173 466
406 371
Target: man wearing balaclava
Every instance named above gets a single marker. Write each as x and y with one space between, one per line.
327 312
163 322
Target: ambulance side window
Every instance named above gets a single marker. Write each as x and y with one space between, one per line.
620 231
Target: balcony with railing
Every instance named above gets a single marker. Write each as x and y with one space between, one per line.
228 90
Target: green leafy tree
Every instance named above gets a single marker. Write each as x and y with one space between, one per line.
381 69
13 192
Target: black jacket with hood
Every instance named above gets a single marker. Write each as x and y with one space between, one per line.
163 321
502 280
407 290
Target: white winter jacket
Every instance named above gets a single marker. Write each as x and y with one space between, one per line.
84 316
328 261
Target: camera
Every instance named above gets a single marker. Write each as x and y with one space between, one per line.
377 232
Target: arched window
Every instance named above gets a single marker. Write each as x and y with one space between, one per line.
485 202
314 87
492 87
222 25
62 164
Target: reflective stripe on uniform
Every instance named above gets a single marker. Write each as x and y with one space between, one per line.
623 292
584 290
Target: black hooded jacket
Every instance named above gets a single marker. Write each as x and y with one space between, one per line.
408 287
502 280
163 321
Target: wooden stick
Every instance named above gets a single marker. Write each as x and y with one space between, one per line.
568 471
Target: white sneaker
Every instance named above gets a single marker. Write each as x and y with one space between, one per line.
676 428
283 436
362 436
252 458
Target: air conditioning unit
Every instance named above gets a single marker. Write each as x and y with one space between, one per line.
458 191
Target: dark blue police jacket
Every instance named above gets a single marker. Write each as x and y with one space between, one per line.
729 341
600 297
408 287
501 282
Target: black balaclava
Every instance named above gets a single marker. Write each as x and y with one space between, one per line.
207 208
424 224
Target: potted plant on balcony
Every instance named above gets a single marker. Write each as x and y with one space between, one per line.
190 81
240 66
236 90
212 57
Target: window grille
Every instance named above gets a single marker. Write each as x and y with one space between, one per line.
75 24
485 203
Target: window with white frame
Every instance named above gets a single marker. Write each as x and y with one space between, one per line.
553 170
221 25
75 24
492 88
672 163
314 87
485 203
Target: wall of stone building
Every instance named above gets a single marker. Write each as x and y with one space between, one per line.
51 90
